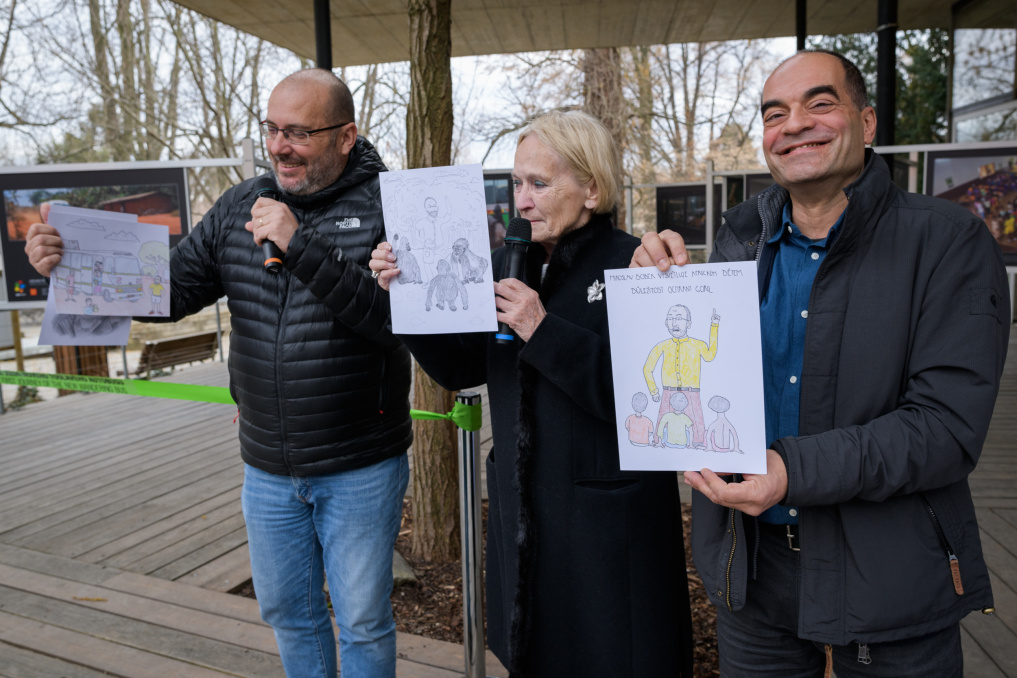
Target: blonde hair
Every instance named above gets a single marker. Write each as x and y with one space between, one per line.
586 146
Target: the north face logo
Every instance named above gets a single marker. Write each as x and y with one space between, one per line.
348 222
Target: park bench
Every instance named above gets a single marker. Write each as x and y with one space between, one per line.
160 353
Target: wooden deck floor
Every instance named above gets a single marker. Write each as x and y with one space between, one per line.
120 530
990 642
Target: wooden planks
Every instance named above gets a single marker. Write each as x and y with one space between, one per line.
990 642
145 484
120 527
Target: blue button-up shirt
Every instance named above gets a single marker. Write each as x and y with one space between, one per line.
783 317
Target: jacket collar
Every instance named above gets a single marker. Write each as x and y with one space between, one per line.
569 247
363 165
867 196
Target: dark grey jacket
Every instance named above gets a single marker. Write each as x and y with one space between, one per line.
908 328
321 383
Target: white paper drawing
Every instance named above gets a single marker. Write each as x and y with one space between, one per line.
687 366
119 265
436 221
86 329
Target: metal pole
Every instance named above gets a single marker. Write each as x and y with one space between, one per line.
710 216
801 30
123 354
886 72
323 34
247 166
469 518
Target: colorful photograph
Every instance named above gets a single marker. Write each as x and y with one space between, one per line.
153 204
985 184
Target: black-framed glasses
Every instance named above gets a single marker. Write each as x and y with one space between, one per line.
300 137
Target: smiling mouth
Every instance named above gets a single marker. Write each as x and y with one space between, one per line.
815 144
286 164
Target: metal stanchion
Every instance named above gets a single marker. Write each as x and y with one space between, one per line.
469 517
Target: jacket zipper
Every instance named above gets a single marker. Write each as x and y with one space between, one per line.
955 574
730 560
383 386
279 377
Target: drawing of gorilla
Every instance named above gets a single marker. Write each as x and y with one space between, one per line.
471 267
409 268
447 287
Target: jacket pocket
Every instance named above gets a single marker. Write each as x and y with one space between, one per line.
951 556
897 573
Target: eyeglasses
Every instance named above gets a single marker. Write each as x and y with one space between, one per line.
300 137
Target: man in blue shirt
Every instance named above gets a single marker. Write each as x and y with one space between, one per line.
885 322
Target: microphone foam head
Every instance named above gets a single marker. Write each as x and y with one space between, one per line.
267 186
519 229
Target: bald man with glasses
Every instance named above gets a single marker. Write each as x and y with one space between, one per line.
321 384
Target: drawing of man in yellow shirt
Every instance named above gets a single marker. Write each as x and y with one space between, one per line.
156 289
681 356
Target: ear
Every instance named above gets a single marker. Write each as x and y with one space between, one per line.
592 195
869 124
347 137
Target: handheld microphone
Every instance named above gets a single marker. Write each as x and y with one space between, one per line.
517 241
266 188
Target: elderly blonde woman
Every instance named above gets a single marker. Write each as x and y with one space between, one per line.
585 565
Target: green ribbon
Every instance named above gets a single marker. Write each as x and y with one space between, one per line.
466 417
139 387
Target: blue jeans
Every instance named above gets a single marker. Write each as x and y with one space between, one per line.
343 525
762 639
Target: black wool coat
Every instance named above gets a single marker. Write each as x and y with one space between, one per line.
585 564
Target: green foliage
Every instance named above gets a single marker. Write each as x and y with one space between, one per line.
921 78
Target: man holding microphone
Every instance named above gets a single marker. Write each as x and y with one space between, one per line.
321 383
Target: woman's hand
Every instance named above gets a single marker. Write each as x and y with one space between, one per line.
383 265
518 306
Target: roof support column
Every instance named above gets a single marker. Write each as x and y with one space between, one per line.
886 72
801 11
323 34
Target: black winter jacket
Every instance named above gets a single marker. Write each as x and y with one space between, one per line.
321 383
908 328
585 563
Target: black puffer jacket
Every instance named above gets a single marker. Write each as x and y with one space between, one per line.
321 383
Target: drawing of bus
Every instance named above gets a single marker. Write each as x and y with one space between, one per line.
116 276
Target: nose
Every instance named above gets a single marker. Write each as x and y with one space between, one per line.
798 120
524 200
279 145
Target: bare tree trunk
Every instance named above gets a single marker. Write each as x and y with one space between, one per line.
429 144
111 129
602 87
644 114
